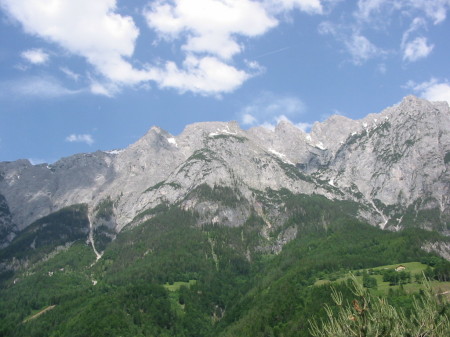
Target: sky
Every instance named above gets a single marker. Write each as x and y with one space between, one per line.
81 76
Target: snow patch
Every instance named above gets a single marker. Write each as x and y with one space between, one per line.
114 151
172 141
222 132
320 146
282 156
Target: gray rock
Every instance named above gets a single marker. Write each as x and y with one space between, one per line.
389 162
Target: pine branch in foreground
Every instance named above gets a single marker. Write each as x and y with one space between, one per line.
370 316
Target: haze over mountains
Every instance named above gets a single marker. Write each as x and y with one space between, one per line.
394 164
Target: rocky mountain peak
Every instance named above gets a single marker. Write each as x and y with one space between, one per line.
286 127
387 162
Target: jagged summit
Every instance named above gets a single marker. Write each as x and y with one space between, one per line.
388 162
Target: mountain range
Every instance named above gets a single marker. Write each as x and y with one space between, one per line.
221 231
395 164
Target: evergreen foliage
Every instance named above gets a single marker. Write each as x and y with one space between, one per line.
44 235
105 209
368 316
219 281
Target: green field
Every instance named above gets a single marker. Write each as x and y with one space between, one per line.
174 294
415 268
177 285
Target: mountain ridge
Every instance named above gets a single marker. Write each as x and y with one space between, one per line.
388 162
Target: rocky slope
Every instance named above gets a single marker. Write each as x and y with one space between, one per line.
395 164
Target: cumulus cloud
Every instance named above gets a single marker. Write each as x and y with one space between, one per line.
416 49
35 56
209 31
432 90
88 28
214 26
80 138
269 109
211 34
206 75
209 26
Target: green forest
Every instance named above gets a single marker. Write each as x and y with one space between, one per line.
169 276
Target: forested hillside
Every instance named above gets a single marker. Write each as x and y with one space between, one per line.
168 276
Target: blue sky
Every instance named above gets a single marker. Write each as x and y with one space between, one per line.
79 76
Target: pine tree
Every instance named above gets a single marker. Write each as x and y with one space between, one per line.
370 316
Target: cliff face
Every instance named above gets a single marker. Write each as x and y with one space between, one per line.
395 164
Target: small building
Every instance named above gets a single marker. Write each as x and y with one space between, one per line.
400 268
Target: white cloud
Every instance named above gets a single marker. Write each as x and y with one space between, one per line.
103 89
248 119
88 28
308 6
214 26
37 87
305 127
302 126
69 73
211 34
35 56
417 49
326 27
369 8
209 26
357 45
269 109
361 49
378 17
436 10
80 138
207 75
432 90
417 24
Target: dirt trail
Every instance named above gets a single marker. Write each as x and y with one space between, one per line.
43 311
